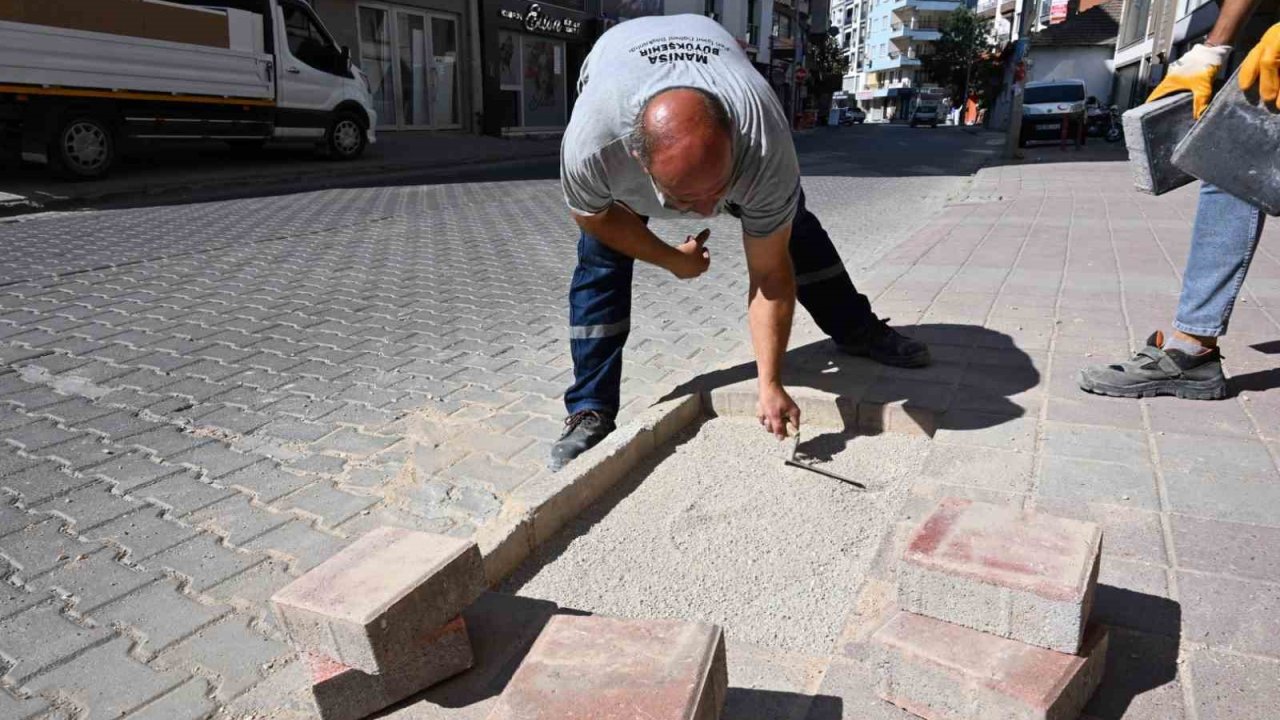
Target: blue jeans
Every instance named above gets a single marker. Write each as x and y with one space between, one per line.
600 308
1223 241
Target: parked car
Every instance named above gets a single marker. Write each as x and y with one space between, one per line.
925 114
77 90
1045 104
852 115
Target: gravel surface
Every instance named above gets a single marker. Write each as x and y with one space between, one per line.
716 528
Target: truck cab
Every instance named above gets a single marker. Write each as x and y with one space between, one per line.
240 71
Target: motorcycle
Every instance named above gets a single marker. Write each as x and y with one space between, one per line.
1115 127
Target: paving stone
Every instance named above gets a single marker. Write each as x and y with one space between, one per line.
92 580
11 462
80 454
204 561
106 681
319 464
42 636
74 411
370 478
141 534
410 583
21 709
351 442
267 482
1092 481
165 442
1141 680
937 669
1136 596
295 431
344 693
479 469
329 505
596 667
980 467
1130 534
188 701
233 420
37 549
1230 686
1020 575
1227 479
1094 443
130 471
229 650
1212 546
1214 613
304 546
237 520
39 483
37 435
118 425
159 614
182 494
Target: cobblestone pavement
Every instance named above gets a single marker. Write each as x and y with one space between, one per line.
200 402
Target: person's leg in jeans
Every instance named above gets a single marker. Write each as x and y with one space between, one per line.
599 322
1188 363
825 290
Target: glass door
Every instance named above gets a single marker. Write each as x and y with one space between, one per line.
412 53
376 57
445 112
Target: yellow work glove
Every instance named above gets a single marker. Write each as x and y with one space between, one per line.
1194 72
1262 67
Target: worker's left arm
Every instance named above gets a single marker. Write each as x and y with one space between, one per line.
771 303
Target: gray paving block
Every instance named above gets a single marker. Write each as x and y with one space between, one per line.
93 580
1229 686
1096 443
1131 534
987 468
39 548
410 583
165 442
88 506
80 454
42 482
133 470
118 425
1141 680
182 493
1232 147
1243 550
304 546
1136 596
106 681
159 614
141 534
204 561
237 519
1214 613
267 482
38 434
1090 481
229 650
188 701
42 636
1151 132
21 708
323 501
1227 479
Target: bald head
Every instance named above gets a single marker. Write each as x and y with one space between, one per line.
683 138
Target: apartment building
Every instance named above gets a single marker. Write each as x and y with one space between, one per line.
885 41
1154 33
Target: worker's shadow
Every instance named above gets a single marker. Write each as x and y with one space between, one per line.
978 379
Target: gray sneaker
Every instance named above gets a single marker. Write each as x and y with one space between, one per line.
1155 371
582 431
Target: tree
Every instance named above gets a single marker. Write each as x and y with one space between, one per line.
962 56
828 65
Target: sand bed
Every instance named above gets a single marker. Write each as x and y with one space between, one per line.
716 528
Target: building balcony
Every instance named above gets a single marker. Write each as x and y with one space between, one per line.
991 8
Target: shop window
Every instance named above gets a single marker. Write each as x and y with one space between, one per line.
531 76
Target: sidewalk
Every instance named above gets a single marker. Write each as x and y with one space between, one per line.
164 171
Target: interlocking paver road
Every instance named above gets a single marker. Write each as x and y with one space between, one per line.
199 402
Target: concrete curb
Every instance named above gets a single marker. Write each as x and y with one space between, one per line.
539 507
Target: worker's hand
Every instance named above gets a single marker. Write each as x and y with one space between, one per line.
1194 72
775 409
694 259
1262 67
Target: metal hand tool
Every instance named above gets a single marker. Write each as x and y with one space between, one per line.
793 462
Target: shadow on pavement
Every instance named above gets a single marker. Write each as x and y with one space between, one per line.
1259 381
1142 653
751 704
974 383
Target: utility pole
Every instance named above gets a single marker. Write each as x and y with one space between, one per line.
1011 148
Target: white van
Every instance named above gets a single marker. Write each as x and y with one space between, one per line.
79 80
1044 106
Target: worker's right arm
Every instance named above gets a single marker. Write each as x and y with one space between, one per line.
623 231
1197 68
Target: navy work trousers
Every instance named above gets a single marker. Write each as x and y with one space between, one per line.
600 308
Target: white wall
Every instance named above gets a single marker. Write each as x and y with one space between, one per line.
1074 63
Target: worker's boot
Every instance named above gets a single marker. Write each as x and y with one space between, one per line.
1156 370
888 347
583 430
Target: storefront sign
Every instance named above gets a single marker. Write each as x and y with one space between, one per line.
1058 11
536 19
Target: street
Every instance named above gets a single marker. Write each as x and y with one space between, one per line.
203 398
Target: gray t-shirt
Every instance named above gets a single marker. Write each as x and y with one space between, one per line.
638 58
